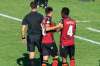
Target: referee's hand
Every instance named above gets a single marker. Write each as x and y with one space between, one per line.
24 40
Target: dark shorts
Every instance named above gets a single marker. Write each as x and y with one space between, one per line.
67 50
50 49
32 42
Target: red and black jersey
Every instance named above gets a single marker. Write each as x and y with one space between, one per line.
68 32
48 37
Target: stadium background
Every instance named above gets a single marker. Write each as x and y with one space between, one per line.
87 15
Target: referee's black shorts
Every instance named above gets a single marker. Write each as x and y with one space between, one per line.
32 42
67 50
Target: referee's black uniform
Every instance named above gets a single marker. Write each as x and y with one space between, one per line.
34 32
33 20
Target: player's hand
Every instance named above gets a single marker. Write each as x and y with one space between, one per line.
60 25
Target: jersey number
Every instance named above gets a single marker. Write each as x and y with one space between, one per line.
70 30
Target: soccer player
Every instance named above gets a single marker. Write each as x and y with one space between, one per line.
48 44
67 43
68 30
31 31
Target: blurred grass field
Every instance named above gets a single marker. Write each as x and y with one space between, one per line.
11 47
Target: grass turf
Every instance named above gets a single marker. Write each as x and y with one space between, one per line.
11 47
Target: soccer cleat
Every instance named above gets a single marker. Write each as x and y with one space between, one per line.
44 64
55 63
65 64
72 62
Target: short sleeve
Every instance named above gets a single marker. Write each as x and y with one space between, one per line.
49 20
25 21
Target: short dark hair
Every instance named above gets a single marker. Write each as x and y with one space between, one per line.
65 11
48 10
33 5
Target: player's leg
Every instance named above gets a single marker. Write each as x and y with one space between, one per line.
64 53
64 62
45 53
46 3
45 60
55 61
72 53
31 49
37 2
54 53
41 3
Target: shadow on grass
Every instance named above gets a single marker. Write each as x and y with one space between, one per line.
24 60
99 62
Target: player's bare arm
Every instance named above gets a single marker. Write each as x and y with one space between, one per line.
58 27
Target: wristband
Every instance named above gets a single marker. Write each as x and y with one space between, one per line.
23 37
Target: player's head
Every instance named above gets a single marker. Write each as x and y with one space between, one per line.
65 11
49 11
33 5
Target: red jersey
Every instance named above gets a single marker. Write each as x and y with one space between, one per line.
68 32
48 38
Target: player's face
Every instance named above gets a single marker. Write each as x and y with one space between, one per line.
51 13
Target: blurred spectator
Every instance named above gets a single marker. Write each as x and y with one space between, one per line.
41 3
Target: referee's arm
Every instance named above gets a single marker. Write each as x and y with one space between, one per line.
23 31
24 27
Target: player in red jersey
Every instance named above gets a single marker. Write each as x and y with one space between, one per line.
68 29
48 44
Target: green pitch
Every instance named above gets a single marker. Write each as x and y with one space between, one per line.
12 49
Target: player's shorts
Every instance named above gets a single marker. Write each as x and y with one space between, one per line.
32 42
67 50
49 49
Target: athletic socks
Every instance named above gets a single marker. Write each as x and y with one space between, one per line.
45 63
55 62
72 62
64 64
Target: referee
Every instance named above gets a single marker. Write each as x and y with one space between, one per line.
31 31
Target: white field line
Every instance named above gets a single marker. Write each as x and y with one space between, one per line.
79 37
79 21
93 29
89 40
17 19
10 17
